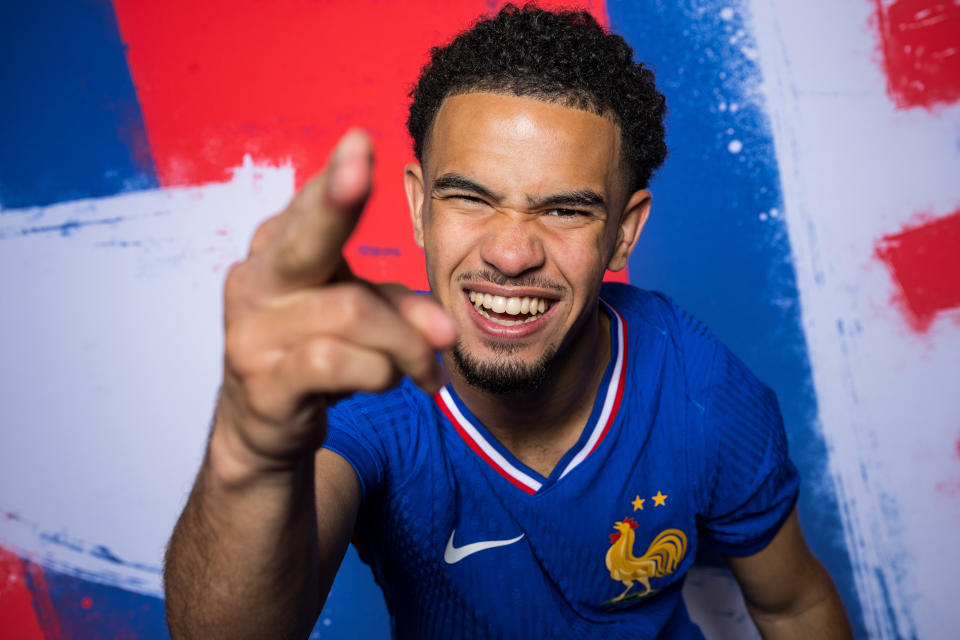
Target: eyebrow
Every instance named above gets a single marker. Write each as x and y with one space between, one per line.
455 181
576 198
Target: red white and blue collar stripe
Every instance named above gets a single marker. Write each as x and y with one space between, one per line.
609 396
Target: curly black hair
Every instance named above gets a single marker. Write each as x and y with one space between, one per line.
564 57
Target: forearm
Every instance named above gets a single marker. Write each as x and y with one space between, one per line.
242 561
819 614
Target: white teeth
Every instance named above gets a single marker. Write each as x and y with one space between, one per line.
506 323
512 306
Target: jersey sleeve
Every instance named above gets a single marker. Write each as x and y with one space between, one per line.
351 434
752 486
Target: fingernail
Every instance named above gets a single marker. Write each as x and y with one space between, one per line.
349 166
347 176
352 144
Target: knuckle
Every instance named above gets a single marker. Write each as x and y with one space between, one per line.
323 359
236 340
237 286
264 233
291 255
354 305
242 349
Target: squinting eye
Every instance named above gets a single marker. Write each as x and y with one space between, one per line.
564 213
470 199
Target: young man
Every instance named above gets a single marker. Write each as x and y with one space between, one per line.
553 472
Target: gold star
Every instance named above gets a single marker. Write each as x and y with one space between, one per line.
638 503
659 500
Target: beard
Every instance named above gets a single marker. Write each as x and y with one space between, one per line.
503 375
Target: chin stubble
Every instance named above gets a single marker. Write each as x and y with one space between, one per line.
503 374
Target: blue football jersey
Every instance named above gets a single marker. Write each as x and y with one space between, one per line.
683 445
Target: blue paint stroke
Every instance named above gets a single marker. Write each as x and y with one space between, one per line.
102 552
70 122
65 229
118 244
716 240
89 609
62 540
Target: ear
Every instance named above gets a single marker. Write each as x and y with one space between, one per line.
628 232
413 184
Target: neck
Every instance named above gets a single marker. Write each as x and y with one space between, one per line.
558 410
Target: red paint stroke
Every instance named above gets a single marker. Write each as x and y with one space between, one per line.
42 604
18 619
281 81
924 261
920 42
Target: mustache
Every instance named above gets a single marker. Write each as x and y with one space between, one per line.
497 278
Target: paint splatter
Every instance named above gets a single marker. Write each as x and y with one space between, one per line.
920 42
925 264
17 616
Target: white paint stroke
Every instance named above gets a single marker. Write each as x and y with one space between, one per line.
111 345
853 169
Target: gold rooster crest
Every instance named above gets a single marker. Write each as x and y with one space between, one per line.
661 559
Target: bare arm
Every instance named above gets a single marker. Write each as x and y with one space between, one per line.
270 515
788 592
244 559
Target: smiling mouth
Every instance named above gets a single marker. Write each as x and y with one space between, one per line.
508 311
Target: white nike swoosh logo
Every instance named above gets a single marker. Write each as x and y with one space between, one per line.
452 554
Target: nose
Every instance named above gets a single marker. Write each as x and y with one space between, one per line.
511 244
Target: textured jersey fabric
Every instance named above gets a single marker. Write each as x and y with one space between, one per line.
684 445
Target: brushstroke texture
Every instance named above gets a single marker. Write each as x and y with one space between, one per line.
920 43
924 260
70 123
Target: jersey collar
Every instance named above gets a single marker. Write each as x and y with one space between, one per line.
605 408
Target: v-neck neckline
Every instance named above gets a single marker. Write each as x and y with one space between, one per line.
602 416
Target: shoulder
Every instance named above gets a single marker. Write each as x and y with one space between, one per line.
690 344
379 434
395 404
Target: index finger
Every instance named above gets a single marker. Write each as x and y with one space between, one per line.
306 248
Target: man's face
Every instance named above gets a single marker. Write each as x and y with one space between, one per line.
520 207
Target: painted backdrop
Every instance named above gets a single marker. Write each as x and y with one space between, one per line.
809 213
